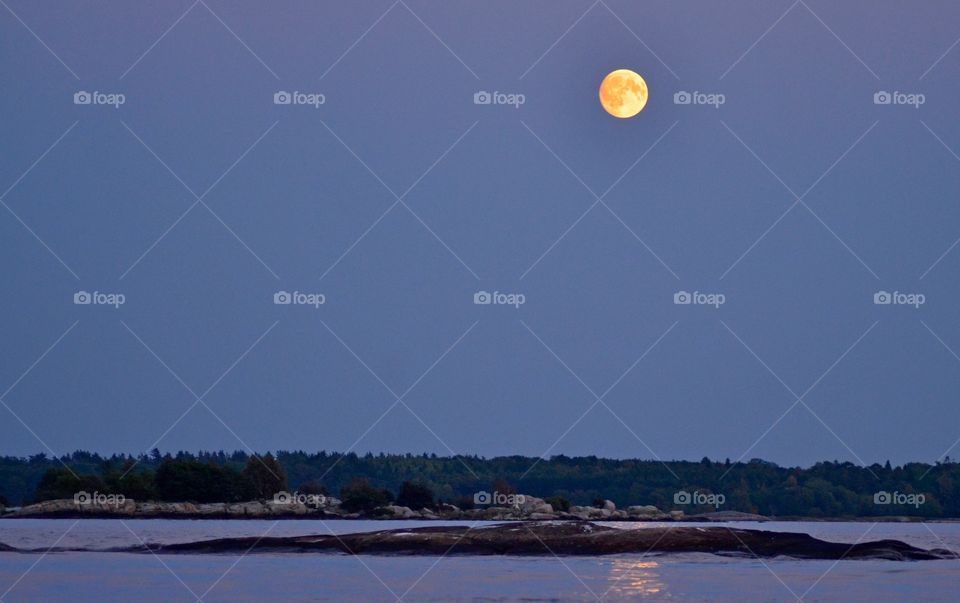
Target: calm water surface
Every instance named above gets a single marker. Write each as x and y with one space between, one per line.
112 577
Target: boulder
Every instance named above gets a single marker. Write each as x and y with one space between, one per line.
541 516
498 513
399 512
582 512
212 509
609 506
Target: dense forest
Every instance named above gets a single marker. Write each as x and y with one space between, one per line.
828 489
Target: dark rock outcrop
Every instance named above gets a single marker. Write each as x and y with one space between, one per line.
561 538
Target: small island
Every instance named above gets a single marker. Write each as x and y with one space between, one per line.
548 538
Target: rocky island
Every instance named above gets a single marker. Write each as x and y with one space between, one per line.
551 538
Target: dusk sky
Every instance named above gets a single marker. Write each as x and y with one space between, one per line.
398 198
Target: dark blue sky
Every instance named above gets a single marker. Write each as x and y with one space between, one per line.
399 198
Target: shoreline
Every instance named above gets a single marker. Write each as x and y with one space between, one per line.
331 509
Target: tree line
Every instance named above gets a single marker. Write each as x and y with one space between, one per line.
826 489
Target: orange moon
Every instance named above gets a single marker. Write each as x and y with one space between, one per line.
623 93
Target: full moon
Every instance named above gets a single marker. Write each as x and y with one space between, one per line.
623 93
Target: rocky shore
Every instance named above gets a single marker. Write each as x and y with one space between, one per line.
554 538
528 508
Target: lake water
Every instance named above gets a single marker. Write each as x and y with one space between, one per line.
289 578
